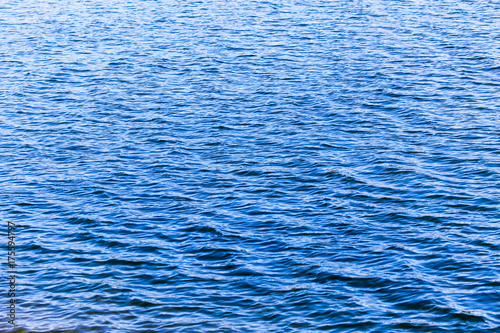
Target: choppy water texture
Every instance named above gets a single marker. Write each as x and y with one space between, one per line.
252 166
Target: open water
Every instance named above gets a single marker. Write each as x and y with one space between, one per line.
251 166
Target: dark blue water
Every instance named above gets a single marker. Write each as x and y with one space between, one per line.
252 166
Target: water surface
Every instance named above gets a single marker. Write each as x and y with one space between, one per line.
252 166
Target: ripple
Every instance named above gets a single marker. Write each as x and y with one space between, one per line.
252 167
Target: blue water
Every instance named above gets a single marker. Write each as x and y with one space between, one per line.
252 166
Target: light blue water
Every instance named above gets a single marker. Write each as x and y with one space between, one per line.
252 166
